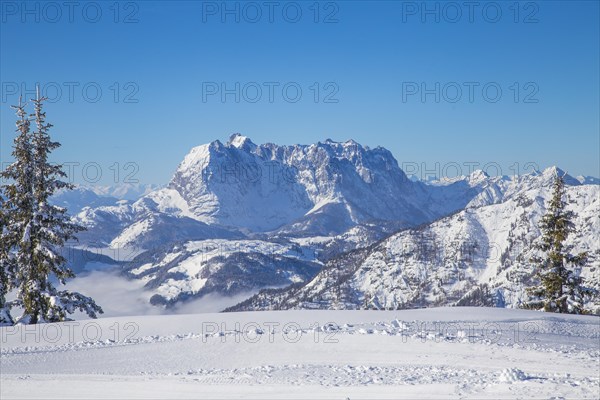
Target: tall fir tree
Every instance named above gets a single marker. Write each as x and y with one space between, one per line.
17 203
561 288
37 230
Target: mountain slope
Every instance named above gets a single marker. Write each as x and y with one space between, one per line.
327 199
229 184
322 189
478 256
225 267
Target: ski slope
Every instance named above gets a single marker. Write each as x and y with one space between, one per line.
431 353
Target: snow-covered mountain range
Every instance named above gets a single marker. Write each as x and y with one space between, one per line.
93 196
478 256
239 217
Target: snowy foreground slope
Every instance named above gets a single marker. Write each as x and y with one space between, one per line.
427 353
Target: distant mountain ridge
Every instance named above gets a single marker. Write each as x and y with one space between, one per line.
319 200
83 196
478 256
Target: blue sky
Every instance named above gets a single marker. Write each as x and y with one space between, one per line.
158 74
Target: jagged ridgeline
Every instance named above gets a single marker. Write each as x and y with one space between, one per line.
480 256
238 217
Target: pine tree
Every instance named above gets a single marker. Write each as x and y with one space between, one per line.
16 206
39 229
560 288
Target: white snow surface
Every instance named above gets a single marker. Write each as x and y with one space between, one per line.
429 353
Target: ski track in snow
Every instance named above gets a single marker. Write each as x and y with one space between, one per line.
390 352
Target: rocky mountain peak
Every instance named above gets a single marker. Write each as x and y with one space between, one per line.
240 141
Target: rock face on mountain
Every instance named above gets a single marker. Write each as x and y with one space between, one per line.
478 256
290 211
324 188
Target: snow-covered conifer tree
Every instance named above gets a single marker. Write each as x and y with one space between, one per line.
36 230
560 289
16 207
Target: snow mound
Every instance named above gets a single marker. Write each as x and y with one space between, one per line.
511 375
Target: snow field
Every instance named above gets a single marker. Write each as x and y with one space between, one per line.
444 352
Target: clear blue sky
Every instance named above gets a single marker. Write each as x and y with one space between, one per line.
376 54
